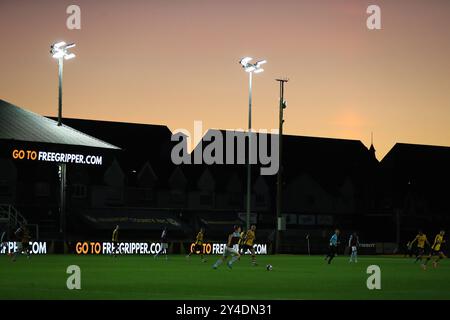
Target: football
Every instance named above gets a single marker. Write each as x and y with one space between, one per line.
269 267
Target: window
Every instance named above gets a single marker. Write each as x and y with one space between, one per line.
260 199
176 197
205 199
4 188
310 200
147 195
79 191
42 189
114 195
236 198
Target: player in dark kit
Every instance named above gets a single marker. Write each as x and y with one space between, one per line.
198 245
115 241
23 235
164 244
408 250
230 250
332 250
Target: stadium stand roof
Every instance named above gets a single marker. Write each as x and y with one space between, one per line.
17 124
141 143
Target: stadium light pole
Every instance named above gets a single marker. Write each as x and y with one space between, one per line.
60 51
278 224
250 68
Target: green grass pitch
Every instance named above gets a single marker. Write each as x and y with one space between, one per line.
293 277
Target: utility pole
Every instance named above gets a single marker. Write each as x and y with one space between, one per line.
278 225
62 205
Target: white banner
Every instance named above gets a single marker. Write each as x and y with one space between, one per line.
145 248
35 247
218 248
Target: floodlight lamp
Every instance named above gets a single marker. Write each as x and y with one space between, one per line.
245 61
261 62
58 54
60 49
69 56
59 44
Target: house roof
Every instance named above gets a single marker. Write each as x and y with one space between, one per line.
19 124
420 172
413 163
328 160
417 152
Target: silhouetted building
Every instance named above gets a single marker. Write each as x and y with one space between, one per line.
415 184
327 183
32 148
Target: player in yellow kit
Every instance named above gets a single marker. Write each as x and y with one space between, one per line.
436 250
421 239
198 245
249 242
241 242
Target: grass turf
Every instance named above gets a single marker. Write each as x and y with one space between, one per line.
293 277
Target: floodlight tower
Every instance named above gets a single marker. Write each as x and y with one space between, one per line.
61 52
250 68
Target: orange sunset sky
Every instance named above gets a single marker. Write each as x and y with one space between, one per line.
175 61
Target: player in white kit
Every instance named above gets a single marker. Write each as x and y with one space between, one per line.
164 244
353 243
230 249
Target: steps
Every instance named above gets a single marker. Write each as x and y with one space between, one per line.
11 216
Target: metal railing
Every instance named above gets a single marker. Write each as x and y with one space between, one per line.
11 216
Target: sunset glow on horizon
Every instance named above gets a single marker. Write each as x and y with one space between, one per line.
172 62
